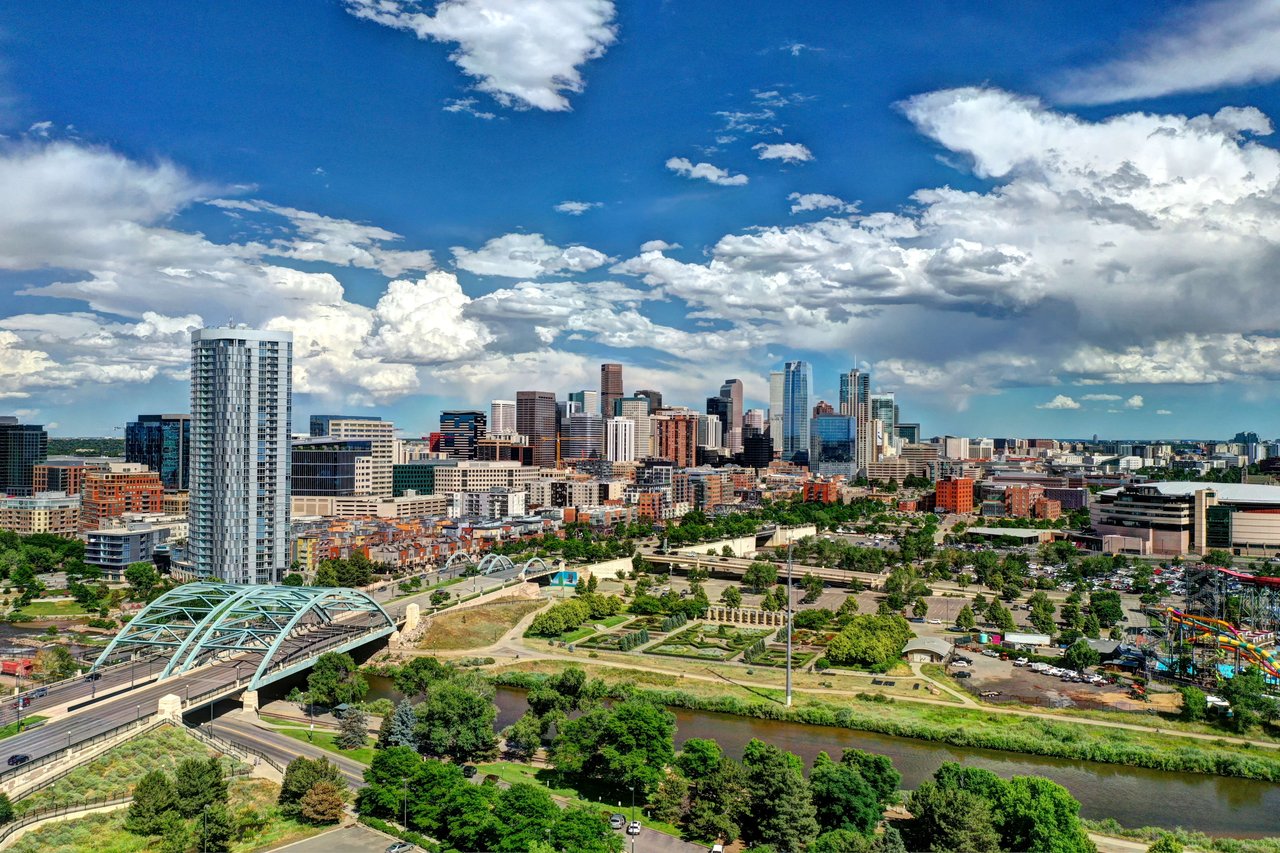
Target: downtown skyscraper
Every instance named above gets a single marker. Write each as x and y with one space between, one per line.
610 388
241 409
797 385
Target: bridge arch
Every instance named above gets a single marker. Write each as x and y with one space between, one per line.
463 556
203 621
531 562
495 563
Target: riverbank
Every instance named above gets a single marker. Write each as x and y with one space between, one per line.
956 726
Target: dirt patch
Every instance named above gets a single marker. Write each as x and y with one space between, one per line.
476 627
1013 684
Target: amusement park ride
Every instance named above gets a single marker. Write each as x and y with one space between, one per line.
1229 622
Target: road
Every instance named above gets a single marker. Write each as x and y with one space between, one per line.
76 690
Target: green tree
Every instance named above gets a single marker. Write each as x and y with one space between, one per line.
143 579
524 736
326 575
214 829
669 800
760 575
527 813
1105 604
1040 816
416 677
1219 557
293 579
779 797
175 833
198 783
323 803
152 797
53 663
1092 628
871 641
300 776
353 729
877 770
965 620
457 720
627 745
842 799
1080 656
581 828
842 841
385 782
1194 705
891 841
813 588
336 679
920 608
731 597
947 819
400 727
1246 691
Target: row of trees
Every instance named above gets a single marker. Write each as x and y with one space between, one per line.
570 614
869 641
434 798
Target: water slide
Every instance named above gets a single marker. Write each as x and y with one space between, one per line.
1226 636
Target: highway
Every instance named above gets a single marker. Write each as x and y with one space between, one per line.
280 747
76 690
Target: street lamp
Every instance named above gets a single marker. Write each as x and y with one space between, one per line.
789 593
405 782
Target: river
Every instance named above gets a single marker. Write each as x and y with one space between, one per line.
1134 796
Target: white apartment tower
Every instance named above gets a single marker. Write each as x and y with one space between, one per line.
241 408
502 417
620 440
381 436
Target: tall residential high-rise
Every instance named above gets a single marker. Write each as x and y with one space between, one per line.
610 387
502 417
380 434
855 388
163 444
654 398
732 390
636 409
585 435
241 406
589 402
21 447
884 410
620 440
710 430
797 385
777 385
536 419
678 438
461 432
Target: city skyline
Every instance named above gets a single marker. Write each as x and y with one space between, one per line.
824 188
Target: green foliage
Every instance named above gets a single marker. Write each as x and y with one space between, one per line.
869 641
674 622
1165 844
1247 693
1194 705
153 796
399 727
627 745
1080 656
213 829
570 614
946 819
524 736
457 720
54 663
293 579
580 829
301 776
353 729
324 803
760 575
755 651
780 801
842 798
1105 604
731 597
199 783
965 620
336 679
416 677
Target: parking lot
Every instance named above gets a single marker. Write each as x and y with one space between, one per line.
1012 683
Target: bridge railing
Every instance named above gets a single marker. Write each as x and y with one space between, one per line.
140 725
57 811
224 745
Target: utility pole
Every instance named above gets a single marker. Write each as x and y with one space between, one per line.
789 547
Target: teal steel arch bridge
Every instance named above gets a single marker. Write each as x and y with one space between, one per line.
277 629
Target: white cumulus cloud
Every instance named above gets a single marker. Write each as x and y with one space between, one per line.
1134 402
804 202
526 256
525 53
787 152
1062 401
577 208
706 172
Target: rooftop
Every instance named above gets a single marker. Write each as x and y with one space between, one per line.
1228 492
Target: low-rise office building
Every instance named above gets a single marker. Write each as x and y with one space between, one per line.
1177 518
45 512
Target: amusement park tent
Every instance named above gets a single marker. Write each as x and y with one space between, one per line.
1026 641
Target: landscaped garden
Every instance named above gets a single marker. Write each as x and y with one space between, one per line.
619 641
710 642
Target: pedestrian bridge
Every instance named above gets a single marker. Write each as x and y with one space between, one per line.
277 630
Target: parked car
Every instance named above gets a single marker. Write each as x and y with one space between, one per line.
400 847
633 828
935 621
1021 662
991 653
617 821
959 663
20 758
963 674
717 848
469 770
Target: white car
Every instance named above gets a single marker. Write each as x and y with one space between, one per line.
959 663
633 828
935 621
1021 662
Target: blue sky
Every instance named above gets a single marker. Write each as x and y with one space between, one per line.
1025 219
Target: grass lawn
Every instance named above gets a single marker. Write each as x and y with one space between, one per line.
615 620
12 729
105 833
576 634
477 627
512 772
326 740
116 771
50 608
